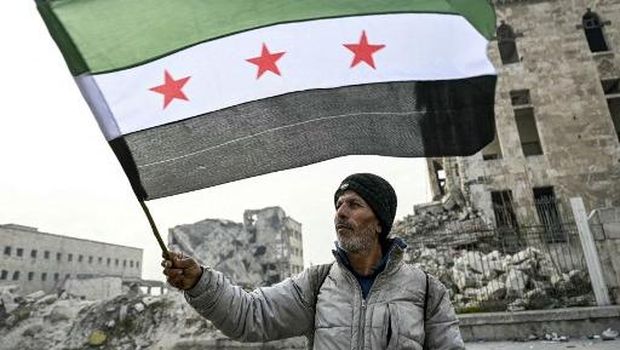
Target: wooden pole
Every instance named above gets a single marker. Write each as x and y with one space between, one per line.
589 250
153 227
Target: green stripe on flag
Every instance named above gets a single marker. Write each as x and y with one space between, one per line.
118 34
67 47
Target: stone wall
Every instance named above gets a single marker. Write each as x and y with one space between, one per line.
97 288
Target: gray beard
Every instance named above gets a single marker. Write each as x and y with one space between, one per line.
357 242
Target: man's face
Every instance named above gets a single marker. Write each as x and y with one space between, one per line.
357 227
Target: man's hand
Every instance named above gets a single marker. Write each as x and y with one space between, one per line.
182 272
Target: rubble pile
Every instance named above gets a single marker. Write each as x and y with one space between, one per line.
494 281
440 222
128 321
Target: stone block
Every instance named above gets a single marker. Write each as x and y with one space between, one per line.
433 208
612 230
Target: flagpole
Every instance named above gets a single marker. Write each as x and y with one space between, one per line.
153 227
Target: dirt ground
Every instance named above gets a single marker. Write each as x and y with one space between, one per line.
547 345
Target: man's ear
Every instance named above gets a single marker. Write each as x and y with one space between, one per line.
378 228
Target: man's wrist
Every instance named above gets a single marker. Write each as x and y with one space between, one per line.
199 286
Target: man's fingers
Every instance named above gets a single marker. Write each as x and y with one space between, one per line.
171 255
173 272
176 280
185 262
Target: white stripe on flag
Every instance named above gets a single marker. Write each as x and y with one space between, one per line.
418 47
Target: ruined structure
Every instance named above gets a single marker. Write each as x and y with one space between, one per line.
36 260
263 250
557 115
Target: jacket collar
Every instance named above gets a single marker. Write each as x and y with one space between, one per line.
392 255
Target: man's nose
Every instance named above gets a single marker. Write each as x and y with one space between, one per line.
342 211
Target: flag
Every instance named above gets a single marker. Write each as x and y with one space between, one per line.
196 93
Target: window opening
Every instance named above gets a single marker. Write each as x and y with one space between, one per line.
520 98
611 87
503 209
493 150
506 42
528 132
593 29
548 214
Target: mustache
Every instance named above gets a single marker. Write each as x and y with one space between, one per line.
343 224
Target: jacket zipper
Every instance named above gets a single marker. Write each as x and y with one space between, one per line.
362 323
364 304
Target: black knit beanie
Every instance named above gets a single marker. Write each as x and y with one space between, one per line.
377 192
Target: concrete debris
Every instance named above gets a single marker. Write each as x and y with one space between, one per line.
451 240
139 307
433 222
97 338
61 312
122 312
555 337
8 300
124 322
48 299
94 288
609 334
494 281
33 330
150 300
34 296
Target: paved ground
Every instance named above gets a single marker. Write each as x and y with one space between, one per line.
547 345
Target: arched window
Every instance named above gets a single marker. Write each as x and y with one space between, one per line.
593 28
506 41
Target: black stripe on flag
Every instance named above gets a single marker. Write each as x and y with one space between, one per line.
404 119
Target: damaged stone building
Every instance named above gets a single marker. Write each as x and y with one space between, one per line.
264 249
36 260
557 115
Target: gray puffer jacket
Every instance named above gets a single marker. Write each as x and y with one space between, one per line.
391 317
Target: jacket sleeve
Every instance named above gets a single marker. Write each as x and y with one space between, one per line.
441 325
281 311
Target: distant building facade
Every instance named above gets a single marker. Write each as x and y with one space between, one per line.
557 115
265 249
283 233
37 260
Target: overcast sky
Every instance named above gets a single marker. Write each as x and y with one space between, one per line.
58 173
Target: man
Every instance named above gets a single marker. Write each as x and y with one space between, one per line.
367 299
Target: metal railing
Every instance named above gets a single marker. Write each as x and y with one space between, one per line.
509 268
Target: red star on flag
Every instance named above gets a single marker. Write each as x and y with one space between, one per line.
171 88
266 61
363 51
